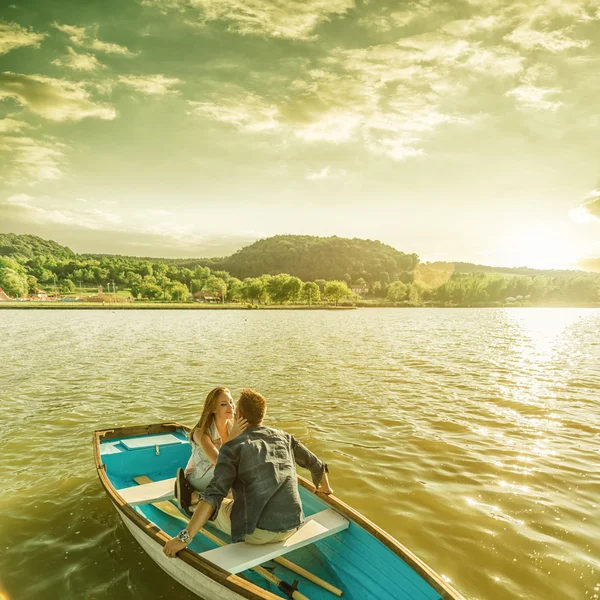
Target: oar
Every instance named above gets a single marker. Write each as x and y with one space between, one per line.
173 511
284 562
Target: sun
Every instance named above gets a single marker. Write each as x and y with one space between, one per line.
536 248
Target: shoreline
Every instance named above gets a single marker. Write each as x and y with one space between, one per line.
157 306
191 306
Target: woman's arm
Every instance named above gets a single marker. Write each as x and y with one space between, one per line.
204 441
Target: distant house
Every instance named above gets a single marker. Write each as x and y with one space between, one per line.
3 296
360 288
42 295
207 296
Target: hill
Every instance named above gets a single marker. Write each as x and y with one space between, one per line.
30 246
310 258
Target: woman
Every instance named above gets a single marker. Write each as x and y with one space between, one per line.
215 427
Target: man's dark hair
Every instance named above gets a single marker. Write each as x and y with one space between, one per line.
252 406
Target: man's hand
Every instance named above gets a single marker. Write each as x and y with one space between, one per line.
324 486
325 489
173 546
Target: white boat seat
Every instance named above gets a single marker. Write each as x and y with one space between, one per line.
148 493
238 557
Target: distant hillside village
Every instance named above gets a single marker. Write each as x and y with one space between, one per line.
279 270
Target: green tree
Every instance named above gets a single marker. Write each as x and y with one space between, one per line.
496 288
234 289
310 292
159 269
196 285
163 282
14 284
254 288
146 270
283 288
216 285
150 291
292 289
32 285
417 292
201 273
67 286
178 291
321 283
397 291
133 280
336 290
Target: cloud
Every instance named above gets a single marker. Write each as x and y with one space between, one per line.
151 84
53 99
327 173
382 94
553 41
79 62
22 207
412 13
530 96
9 125
248 112
335 126
19 199
151 213
80 36
293 19
14 36
399 147
588 211
90 229
468 27
77 35
30 161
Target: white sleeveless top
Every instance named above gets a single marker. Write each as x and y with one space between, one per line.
199 464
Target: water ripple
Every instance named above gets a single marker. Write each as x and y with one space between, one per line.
475 430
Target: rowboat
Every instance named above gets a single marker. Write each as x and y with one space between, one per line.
336 552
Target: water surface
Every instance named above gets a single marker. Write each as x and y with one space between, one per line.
471 435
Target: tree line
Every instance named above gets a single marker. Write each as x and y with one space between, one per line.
28 264
22 276
479 289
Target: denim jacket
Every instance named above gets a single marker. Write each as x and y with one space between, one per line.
259 466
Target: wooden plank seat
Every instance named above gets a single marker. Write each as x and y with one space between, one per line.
148 493
238 557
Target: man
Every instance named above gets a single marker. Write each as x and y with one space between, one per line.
259 466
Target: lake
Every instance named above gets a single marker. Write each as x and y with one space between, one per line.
470 435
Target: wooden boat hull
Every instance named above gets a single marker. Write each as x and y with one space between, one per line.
202 585
364 561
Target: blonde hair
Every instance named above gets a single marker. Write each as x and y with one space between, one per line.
207 418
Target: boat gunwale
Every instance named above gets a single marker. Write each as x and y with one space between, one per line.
235 583
444 589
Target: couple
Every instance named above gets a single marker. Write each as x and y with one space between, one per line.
256 462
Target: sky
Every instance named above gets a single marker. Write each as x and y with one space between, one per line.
458 130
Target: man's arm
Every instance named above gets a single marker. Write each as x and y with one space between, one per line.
318 470
201 515
210 501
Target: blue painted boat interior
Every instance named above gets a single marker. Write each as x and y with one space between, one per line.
352 560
